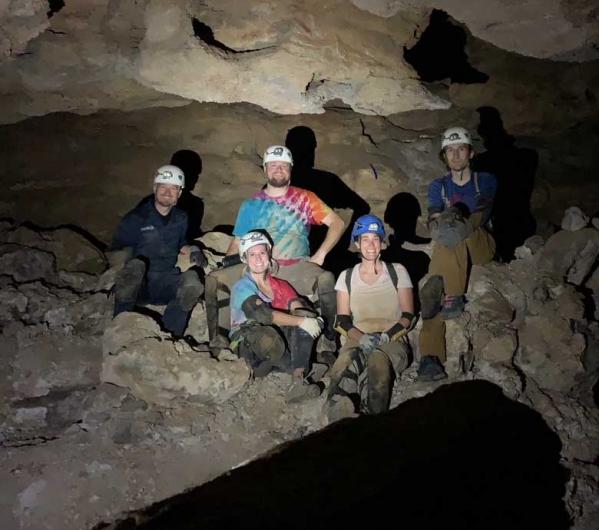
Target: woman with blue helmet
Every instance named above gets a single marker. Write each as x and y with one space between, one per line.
374 311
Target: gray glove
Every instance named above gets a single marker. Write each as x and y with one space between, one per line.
450 228
369 342
312 326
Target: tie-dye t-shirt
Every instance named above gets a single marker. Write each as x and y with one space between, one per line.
282 292
287 219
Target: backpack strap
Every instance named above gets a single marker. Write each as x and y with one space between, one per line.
390 270
348 275
476 186
392 274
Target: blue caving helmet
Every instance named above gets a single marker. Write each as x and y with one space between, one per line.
368 224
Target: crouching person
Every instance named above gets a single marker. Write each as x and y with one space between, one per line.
153 234
272 327
374 313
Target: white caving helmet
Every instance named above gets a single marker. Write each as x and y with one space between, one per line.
170 175
251 239
455 135
277 153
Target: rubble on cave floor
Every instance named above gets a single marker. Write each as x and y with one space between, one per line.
102 417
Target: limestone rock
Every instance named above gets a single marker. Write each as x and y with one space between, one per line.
25 264
570 254
49 363
574 219
530 247
197 326
549 353
496 348
73 252
551 30
137 355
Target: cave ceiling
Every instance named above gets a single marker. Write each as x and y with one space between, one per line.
285 56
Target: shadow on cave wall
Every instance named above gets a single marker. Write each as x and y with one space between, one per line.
439 53
190 163
301 141
515 169
464 456
401 214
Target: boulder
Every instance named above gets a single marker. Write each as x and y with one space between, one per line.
549 352
73 252
570 254
574 219
24 264
156 369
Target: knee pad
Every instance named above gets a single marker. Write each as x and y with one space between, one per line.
431 297
190 289
129 280
265 342
257 309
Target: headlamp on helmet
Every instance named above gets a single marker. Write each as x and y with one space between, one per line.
368 224
170 175
277 153
252 239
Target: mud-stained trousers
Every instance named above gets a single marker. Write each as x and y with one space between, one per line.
286 347
179 291
367 379
452 264
307 278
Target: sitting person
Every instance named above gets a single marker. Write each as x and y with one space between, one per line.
271 325
459 207
153 234
374 311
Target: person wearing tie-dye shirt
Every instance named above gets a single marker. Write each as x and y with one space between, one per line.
286 214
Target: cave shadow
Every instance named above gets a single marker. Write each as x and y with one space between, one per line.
301 141
515 169
190 163
439 53
464 456
401 214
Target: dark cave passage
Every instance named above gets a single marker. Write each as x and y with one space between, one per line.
440 54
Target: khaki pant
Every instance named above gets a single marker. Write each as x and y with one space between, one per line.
368 378
452 264
308 279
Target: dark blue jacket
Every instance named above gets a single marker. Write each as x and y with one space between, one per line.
145 231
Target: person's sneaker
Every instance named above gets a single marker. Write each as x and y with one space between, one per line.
301 390
338 408
431 369
317 372
453 307
326 357
263 369
324 344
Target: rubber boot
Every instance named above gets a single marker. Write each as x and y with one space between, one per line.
380 382
179 309
128 285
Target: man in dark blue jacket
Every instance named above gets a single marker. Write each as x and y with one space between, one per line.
154 232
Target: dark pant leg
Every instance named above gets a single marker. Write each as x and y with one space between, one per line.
380 382
178 310
300 346
128 285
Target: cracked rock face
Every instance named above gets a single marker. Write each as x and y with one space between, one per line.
564 30
287 57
